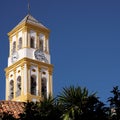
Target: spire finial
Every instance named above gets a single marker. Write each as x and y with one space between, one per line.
28 6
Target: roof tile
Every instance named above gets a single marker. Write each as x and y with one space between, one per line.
12 107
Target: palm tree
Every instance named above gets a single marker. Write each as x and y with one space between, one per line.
73 99
79 104
115 103
47 109
31 111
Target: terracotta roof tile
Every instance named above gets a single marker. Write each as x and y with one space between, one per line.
12 107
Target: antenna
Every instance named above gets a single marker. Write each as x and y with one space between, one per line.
28 6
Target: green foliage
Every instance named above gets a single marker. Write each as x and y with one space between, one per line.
43 110
31 111
115 104
79 104
49 109
7 116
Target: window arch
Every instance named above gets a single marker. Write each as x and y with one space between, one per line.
33 85
14 47
44 87
20 43
18 92
32 42
11 89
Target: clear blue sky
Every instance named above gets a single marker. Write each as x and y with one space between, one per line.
84 41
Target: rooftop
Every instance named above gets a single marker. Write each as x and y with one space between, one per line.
11 107
30 19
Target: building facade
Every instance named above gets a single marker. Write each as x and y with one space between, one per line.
29 71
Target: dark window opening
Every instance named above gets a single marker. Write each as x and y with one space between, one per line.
32 42
41 45
14 47
33 85
44 87
11 90
18 92
20 43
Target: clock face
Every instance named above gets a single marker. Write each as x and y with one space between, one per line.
39 55
14 57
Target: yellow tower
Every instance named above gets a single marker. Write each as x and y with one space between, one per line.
29 71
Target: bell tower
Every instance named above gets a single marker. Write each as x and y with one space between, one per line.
29 71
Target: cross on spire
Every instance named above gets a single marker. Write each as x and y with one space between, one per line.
28 6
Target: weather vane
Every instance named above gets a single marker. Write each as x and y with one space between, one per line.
28 6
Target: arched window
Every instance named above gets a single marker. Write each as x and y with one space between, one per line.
18 92
33 85
41 41
44 87
32 42
41 44
14 47
20 43
11 89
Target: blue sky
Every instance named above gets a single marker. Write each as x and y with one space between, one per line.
84 41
